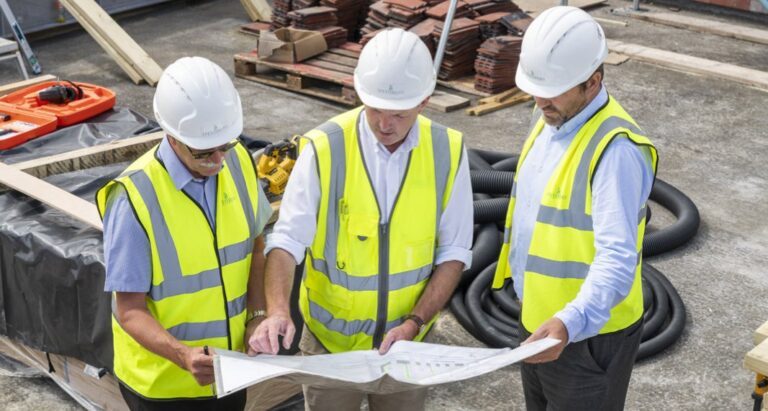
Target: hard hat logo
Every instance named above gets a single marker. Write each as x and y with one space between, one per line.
561 49
394 71
196 103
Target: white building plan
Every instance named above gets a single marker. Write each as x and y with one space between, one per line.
407 365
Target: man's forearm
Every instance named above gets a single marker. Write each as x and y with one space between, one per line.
439 289
281 267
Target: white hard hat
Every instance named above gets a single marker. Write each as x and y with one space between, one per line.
196 103
394 71
562 47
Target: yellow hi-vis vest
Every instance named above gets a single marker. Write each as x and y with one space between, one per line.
199 277
363 276
562 243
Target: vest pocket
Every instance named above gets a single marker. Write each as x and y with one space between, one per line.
358 247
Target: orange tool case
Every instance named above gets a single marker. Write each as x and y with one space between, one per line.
23 116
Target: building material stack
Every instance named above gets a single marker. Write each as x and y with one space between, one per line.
424 30
280 10
335 36
516 23
460 49
403 14
485 7
496 64
347 14
313 18
440 10
490 25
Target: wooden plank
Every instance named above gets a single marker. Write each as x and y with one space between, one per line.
253 14
11 87
127 149
258 10
705 26
611 22
338 95
761 334
347 53
117 38
305 70
491 107
756 359
330 66
615 59
51 195
446 102
498 98
338 59
127 67
464 84
695 65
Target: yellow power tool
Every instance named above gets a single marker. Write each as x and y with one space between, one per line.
275 165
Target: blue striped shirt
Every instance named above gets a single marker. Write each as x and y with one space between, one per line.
620 187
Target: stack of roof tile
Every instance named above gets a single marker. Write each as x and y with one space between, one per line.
394 13
440 10
424 30
490 25
313 18
334 35
347 12
517 22
460 49
483 7
280 10
496 64
303 4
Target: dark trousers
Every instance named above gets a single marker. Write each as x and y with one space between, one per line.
232 402
590 375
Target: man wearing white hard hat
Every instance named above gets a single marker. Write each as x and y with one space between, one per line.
379 206
183 246
576 219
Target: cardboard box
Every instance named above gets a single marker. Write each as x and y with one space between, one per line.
289 45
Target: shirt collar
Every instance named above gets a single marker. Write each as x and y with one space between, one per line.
176 169
411 140
581 117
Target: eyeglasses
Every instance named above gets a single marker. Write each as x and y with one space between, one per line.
203 154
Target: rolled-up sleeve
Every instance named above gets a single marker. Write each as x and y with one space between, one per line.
296 226
457 222
620 188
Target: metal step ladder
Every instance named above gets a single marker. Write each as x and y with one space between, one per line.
22 40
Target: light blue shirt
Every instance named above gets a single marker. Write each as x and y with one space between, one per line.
620 187
126 246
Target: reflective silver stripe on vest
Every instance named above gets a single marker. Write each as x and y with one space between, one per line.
189 284
441 153
242 190
235 252
353 283
338 175
507 235
344 327
576 216
559 269
199 331
237 305
642 214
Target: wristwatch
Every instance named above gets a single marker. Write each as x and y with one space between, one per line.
415 318
253 314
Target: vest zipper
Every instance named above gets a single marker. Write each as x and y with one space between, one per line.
381 310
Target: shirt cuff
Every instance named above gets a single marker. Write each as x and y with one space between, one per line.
282 241
453 253
574 323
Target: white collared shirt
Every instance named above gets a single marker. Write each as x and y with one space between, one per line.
295 229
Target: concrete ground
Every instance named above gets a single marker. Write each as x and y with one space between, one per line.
712 140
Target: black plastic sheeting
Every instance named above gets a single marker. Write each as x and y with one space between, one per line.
51 266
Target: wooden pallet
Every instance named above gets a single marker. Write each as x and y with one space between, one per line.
328 76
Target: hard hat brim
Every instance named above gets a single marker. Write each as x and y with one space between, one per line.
524 83
390 104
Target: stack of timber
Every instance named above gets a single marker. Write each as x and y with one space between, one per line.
258 10
499 101
460 49
313 18
328 76
136 63
496 64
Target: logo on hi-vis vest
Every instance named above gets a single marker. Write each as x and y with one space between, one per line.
557 194
228 199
